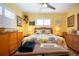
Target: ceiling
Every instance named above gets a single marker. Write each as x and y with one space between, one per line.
37 8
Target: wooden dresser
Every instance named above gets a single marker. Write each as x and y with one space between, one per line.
72 41
9 42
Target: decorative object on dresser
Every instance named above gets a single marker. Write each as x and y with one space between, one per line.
70 21
74 31
19 21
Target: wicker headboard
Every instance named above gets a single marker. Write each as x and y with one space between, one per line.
43 28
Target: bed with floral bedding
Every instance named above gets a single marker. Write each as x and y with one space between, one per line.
45 40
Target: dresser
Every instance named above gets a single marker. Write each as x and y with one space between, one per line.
9 42
72 41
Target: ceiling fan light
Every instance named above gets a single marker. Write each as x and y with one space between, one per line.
44 5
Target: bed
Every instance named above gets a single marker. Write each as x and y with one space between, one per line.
45 40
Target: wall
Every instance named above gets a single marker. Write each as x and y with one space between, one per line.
20 13
63 17
53 18
73 11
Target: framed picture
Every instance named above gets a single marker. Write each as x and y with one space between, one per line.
32 23
59 22
19 21
70 21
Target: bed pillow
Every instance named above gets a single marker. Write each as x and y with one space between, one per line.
33 39
47 31
38 31
52 39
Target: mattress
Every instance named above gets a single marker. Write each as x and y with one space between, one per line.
49 38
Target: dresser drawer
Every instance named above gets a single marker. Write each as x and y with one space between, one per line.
12 51
75 41
76 48
4 48
20 36
13 39
12 42
13 46
19 42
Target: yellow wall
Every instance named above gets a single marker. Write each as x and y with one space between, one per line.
63 17
53 18
18 12
73 11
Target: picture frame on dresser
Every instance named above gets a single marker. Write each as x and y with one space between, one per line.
70 21
19 21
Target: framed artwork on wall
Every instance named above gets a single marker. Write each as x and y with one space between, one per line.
70 21
58 22
19 21
32 23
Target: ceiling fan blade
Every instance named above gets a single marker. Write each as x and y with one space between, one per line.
50 6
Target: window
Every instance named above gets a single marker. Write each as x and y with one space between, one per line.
0 10
7 18
43 22
47 22
39 22
9 14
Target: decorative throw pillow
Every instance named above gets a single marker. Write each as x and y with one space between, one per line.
52 39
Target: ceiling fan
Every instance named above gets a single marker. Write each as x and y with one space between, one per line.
47 5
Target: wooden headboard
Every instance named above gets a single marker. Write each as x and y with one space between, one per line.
42 28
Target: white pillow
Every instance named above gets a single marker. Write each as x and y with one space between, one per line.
47 31
38 31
